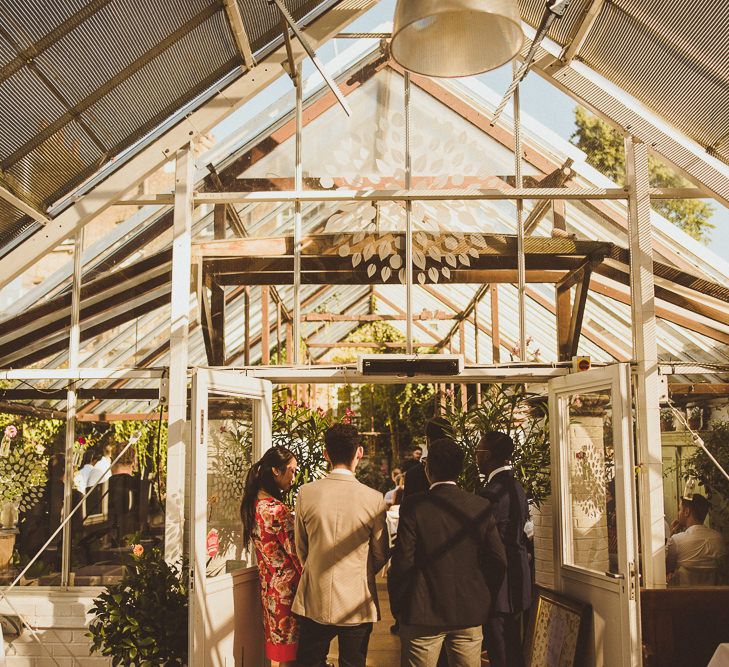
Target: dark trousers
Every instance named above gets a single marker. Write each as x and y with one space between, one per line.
314 640
502 637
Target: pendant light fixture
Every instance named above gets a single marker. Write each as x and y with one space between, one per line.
452 38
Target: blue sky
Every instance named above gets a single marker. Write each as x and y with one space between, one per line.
536 95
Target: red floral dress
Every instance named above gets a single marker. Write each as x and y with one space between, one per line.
279 570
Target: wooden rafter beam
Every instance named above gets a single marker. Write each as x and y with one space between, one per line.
699 389
488 244
424 315
457 326
237 27
24 205
599 285
578 310
361 277
589 16
555 179
418 324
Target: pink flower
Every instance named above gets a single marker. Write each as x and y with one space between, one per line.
81 440
137 550
11 431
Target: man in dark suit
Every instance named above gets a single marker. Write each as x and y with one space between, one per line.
448 558
503 633
415 479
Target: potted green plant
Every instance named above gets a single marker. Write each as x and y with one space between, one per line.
667 423
142 620
695 418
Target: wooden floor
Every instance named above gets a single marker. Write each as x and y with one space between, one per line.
384 648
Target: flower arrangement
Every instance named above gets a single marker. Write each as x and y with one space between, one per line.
142 620
23 473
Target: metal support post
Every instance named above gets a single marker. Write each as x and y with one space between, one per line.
645 354
521 262
408 227
74 344
298 179
179 323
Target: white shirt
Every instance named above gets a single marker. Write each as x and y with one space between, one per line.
342 471
694 553
434 484
101 470
496 472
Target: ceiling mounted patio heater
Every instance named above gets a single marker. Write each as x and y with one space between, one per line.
410 365
451 38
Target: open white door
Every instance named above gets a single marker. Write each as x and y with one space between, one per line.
595 516
231 428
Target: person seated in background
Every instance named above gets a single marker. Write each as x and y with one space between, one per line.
693 551
81 478
102 465
397 480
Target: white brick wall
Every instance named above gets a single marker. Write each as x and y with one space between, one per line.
543 544
60 620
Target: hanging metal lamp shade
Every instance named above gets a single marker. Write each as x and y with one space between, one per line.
449 38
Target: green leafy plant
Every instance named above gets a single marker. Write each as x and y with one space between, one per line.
301 429
603 146
23 461
699 465
142 620
523 416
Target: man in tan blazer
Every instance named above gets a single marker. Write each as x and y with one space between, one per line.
342 543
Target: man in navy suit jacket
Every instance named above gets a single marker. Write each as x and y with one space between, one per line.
503 635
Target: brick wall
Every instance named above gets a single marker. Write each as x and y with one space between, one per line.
60 620
543 544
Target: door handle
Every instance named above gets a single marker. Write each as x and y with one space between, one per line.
615 575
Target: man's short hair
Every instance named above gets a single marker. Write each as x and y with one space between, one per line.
437 429
698 506
341 442
499 444
445 460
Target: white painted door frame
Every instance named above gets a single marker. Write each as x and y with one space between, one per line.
205 382
613 595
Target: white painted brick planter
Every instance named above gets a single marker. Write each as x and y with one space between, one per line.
61 621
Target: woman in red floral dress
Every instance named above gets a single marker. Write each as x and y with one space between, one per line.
268 524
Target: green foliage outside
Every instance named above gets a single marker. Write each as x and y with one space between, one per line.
701 467
142 620
513 410
603 146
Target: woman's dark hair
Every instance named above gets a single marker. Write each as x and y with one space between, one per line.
260 478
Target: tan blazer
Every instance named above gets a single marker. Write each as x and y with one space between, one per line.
341 541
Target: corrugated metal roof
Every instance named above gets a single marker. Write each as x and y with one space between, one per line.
82 81
670 56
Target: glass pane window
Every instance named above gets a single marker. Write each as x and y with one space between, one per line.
230 432
591 539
